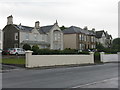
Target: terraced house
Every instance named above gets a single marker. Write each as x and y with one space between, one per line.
16 36
78 38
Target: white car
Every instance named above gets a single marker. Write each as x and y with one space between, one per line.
17 51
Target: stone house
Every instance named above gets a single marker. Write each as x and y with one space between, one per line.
15 36
78 38
104 38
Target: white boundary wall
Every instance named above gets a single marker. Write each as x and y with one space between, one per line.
110 57
51 60
1 70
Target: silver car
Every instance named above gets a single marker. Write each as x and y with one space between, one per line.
17 51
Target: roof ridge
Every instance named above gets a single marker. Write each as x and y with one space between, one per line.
23 26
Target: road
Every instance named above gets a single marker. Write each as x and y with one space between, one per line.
94 76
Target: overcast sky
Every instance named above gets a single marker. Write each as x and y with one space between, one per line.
98 14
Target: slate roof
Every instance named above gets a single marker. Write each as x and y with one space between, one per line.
99 33
74 29
43 29
23 28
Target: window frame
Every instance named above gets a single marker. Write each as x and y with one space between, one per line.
16 36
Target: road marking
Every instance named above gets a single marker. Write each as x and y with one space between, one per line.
94 83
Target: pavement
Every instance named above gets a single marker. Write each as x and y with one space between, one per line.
95 76
110 83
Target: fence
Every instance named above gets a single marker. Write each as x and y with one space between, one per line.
110 57
52 60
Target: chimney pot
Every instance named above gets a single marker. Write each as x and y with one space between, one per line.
37 24
10 20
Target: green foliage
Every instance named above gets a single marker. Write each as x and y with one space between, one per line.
100 47
63 27
59 52
35 49
97 57
116 44
26 47
13 61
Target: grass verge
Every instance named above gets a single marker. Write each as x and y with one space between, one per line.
13 61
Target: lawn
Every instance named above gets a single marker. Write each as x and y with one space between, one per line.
13 61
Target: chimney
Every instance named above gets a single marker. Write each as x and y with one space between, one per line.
9 20
37 24
56 22
106 32
93 29
85 28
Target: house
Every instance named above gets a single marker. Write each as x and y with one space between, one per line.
1 45
78 38
104 38
16 36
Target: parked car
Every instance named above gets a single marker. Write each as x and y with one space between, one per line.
17 51
6 52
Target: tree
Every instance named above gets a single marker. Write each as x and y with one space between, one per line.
26 47
116 44
100 47
63 27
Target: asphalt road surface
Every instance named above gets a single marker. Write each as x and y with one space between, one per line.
94 76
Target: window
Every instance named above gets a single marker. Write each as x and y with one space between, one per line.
85 38
80 46
16 36
57 36
88 38
42 46
27 36
56 46
80 37
83 46
94 46
92 39
35 36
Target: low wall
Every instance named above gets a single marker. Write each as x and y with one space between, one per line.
110 57
51 60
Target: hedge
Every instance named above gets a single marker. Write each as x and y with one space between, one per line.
57 52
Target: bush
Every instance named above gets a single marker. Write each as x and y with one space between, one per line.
100 47
26 47
35 49
59 52
97 58
69 51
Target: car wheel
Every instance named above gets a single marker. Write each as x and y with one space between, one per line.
16 54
